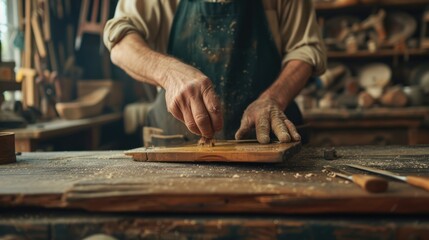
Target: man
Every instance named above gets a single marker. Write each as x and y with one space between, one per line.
225 67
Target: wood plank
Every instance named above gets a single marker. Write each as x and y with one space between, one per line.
71 225
61 127
28 40
373 113
78 225
38 36
380 53
223 151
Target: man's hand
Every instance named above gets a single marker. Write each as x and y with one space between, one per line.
189 94
190 98
265 115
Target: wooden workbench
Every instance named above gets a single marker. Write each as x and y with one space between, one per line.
51 195
84 133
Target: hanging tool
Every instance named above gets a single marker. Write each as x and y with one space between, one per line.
368 183
421 182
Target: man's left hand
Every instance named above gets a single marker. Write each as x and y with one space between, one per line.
265 115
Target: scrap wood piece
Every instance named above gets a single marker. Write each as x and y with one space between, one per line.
28 39
38 36
29 89
226 151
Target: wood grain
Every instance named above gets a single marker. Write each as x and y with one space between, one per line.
112 182
226 151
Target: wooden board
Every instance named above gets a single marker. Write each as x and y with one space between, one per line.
225 151
72 225
109 181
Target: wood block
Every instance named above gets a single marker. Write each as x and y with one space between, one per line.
7 72
7 150
394 97
365 100
223 151
29 87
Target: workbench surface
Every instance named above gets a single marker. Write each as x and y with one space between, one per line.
73 195
113 182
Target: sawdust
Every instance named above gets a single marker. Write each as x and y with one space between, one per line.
309 175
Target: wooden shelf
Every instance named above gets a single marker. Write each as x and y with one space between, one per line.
9 86
353 3
420 113
378 54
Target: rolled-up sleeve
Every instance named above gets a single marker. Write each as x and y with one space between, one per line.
132 16
300 34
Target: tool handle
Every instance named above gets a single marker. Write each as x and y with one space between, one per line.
370 183
422 182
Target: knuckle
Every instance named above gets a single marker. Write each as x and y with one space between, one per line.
262 128
188 91
201 119
191 125
206 87
173 106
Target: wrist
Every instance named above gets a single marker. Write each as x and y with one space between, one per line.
176 72
276 97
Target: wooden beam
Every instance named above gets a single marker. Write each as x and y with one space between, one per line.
28 40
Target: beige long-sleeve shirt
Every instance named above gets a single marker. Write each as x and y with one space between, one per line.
292 24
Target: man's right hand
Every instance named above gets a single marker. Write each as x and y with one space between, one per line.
191 98
189 93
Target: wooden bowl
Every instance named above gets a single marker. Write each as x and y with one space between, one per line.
89 105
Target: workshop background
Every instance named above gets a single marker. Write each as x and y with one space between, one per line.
60 90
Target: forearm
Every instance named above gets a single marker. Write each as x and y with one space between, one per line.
135 57
290 82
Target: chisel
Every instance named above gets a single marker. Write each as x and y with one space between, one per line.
421 182
369 183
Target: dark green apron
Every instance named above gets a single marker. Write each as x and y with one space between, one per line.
231 43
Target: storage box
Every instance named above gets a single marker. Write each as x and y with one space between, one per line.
7 71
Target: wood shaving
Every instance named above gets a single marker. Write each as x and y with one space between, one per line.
297 175
206 142
309 175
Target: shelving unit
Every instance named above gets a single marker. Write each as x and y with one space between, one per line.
379 53
335 5
382 126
